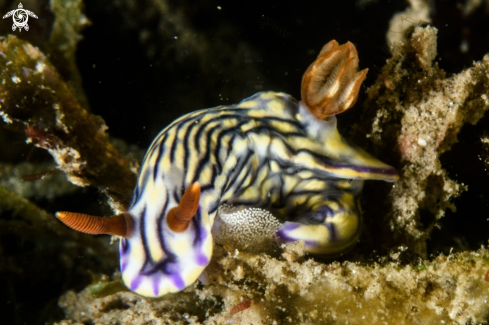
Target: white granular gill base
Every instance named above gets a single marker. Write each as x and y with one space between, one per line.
245 228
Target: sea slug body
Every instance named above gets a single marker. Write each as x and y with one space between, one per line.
270 151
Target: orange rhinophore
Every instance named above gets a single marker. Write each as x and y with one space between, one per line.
331 83
240 307
116 226
179 217
486 277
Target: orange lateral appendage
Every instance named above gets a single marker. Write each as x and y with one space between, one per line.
116 226
179 217
331 83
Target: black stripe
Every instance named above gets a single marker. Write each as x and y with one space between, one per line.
203 127
253 176
175 130
138 191
153 145
294 152
150 267
196 220
255 203
173 147
192 123
238 187
205 159
170 257
304 192
230 146
186 149
161 148
332 231
220 139
176 195
270 129
242 161
142 233
213 207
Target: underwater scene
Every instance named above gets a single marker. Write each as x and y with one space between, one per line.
244 162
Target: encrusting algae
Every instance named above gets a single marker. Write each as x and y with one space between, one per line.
36 99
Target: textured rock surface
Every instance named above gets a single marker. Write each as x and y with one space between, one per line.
416 112
445 290
36 99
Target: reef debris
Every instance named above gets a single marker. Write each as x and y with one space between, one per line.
447 289
35 98
43 258
35 180
415 112
417 13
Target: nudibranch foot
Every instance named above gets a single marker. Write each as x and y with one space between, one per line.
330 230
331 83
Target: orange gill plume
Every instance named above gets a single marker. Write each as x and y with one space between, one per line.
119 225
331 83
178 218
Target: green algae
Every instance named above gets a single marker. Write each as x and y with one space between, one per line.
106 289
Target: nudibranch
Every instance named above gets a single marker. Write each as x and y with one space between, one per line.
271 152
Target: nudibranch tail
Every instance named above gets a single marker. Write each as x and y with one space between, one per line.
331 229
179 217
331 83
116 226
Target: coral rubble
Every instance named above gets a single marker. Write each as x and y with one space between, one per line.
35 101
41 257
417 13
446 290
416 112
